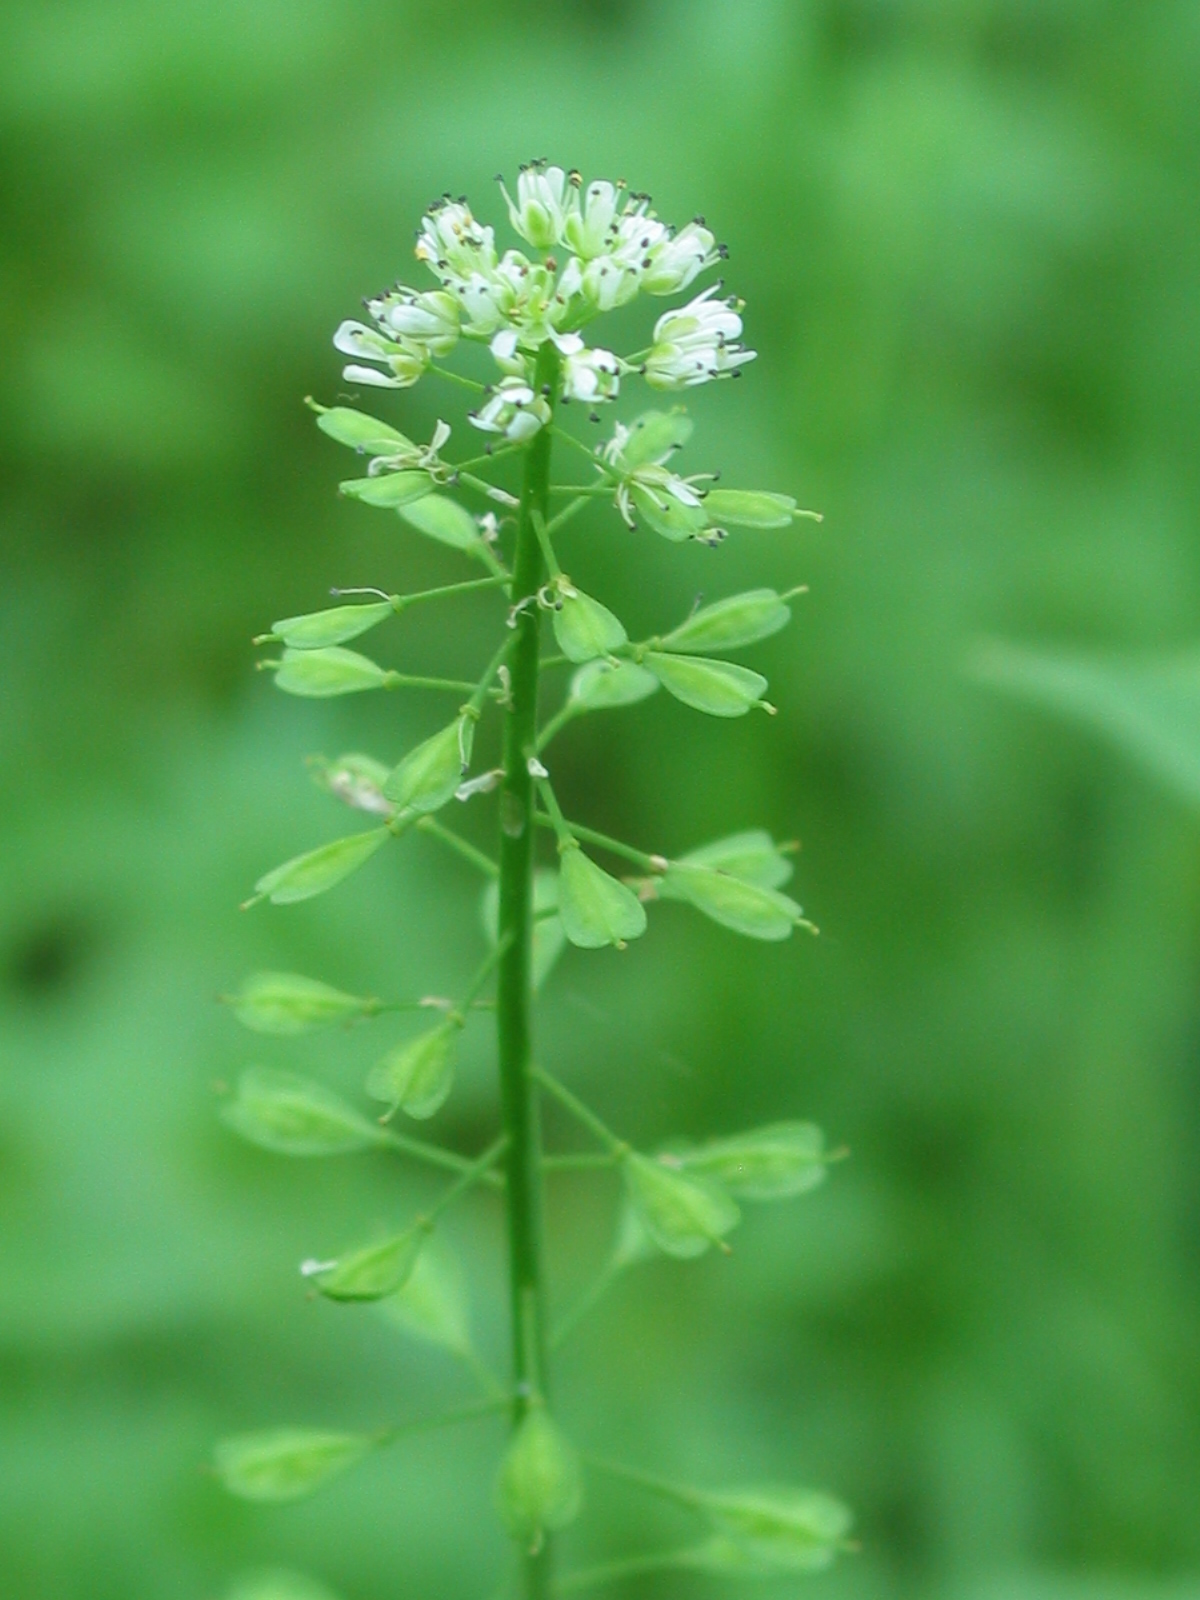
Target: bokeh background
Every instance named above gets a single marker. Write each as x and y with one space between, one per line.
967 232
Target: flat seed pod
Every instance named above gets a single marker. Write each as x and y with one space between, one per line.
602 685
390 489
752 856
317 630
432 1303
720 688
584 628
319 869
417 1075
788 1530
540 1486
294 1116
654 435
772 1163
444 520
738 620
361 432
373 1272
321 674
428 776
749 508
358 781
666 515
277 1584
549 936
596 909
746 908
284 1002
286 1463
683 1214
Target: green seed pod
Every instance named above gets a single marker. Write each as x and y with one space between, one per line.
361 432
417 1075
357 780
317 630
654 435
428 776
390 489
720 688
286 1463
294 1116
605 684
739 620
432 1303
284 1002
371 1273
683 1214
772 1163
276 1584
444 520
596 909
748 508
746 908
752 856
786 1529
584 628
321 674
540 1486
319 869
549 936
667 515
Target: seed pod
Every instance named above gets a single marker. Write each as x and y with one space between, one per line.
390 489
540 1487
749 508
772 1163
432 1303
584 628
294 1116
681 1213
417 1075
317 630
725 625
284 1002
720 688
428 776
786 1529
373 1272
357 780
752 856
286 1463
319 869
667 515
444 520
361 432
746 908
596 909
654 435
321 674
277 1584
549 937
604 684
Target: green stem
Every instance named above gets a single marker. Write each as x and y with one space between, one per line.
475 1172
519 1102
590 836
591 1296
584 1161
404 680
613 1571
468 1413
438 830
680 1493
401 602
433 1155
557 723
565 515
588 1119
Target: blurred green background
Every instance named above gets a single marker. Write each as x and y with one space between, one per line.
968 233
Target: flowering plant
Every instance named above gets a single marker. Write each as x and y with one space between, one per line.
593 249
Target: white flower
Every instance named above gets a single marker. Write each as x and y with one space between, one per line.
430 319
696 342
485 301
453 243
588 228
513 409
404 362
672 262
590 375
546 197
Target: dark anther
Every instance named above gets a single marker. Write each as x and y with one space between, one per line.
593 416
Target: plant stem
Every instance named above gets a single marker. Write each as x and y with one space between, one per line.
519 1101
639 858
617 1148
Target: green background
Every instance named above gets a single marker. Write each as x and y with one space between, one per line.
967 232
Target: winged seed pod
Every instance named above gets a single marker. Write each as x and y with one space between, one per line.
286 1463
583 627
752 856
284 1002
595 908
391 490
371 1273
720 688
540 1488
682 1213
432 1303
444 520
746 908
727 624
783 1529
772 1163
318 870
602 685
429 776
417 1076
321 674
365 434
319 629
294 1116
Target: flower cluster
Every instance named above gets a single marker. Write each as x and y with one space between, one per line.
596 248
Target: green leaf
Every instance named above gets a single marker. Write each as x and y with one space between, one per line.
748 508
319 869
540 1486
720 688
746 908
320 674
390 489
786 1529
284 1002
444 520
294 1116
361 432
739 620
596 909
654 435
752 856
605 684
432 1304
683 1214
286 1463
278 1584
417 1076
549 936
372 1273
584 628
429 776
317 630
667 515
771 1163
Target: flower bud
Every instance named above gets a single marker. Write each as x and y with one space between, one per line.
545 199
513 409
602 684
591 228
371 1273
583 627
786 1529
286 1463
294 1116
771 1163
285 1003
417 1076
590 376
746 908
317 630
453 243
321 674
430 319
696 342
720 688
727 624
319 869
429 775
596 909
540 1487
683 1214
675 259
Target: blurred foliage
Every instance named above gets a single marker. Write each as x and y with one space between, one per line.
967 232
